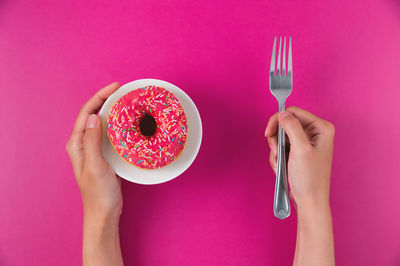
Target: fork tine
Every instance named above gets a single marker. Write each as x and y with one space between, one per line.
284 57
272 68
278 67
290 56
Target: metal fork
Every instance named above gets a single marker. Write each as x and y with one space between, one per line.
281 87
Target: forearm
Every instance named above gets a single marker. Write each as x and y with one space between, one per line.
101 245
314 244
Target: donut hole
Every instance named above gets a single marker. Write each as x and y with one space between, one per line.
147 126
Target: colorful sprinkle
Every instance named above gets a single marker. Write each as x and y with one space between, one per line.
148 152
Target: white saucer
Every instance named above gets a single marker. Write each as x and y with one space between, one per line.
174 169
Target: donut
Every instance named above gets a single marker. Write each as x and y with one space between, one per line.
147 127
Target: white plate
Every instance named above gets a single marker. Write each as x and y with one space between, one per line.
168 172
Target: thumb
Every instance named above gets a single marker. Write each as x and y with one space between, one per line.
92 139
292 127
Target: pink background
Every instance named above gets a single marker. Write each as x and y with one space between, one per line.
54 56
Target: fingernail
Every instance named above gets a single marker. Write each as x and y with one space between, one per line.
274 169
92 121
284 114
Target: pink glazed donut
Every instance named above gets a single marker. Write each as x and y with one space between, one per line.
147 127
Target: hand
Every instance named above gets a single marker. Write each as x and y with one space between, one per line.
310 156
309 173
100 187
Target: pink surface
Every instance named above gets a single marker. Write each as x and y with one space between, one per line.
54 56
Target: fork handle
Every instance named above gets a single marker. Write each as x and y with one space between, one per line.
281 198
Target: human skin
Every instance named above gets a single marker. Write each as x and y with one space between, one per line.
309 171
100 187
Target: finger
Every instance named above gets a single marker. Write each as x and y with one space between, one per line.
272 160
74 145
92 140
74 149
93 105
273 143
303 116
295 132
308 120
272 126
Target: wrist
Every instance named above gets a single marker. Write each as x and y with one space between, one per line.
99 215
101 241
100 225
311 213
